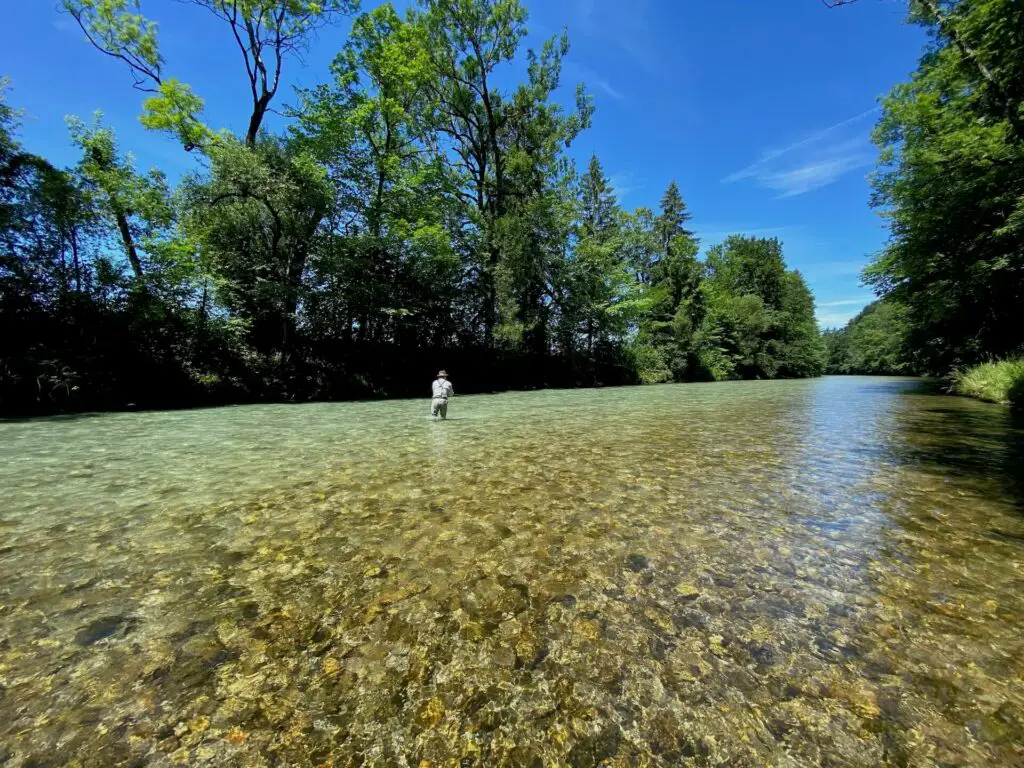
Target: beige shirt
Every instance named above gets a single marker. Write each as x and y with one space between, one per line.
443 388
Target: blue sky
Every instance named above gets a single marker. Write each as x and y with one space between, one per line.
761 111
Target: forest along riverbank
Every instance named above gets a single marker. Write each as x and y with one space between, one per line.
744 573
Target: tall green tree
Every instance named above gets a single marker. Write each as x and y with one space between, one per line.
137 206
600 298
258 217
671 222
759 320
500 146
675 276
532 233
599 210
950 182
370 127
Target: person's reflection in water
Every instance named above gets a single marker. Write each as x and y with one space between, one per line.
439 462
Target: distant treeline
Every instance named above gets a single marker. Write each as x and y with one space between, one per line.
874 343
410 215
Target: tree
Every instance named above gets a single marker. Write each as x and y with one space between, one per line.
266 32
598 297
800 348
872 343
951 182
499 146
258 218
759 317
982 57
137 206
675 276
670 224
749 265
600 213
370 129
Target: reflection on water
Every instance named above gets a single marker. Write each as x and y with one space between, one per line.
770 573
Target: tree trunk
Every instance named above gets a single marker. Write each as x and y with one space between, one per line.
128 242
76 261
259 111
293 286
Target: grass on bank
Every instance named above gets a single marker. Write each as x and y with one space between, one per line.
1000 382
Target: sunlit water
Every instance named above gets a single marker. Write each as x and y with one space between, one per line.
769 573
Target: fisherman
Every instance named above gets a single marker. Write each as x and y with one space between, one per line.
442 390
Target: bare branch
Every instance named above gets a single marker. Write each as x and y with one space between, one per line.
233 23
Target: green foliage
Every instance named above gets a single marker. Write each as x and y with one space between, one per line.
668 263
597 297
759 316
136 209
951 182
257 218
419 210
650 364
265 31
674 215
117 29
175 109
872 343
996 382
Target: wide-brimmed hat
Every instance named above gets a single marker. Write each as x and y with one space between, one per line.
442 372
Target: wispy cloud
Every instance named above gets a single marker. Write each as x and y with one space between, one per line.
836 314
64 23
592 78
845 302
623 24
624 183
811 162
773 154
814 174
605 86
834 268
717 231
836 319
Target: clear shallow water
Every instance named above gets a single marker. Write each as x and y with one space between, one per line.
769 573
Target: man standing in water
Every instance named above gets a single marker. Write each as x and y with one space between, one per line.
442 391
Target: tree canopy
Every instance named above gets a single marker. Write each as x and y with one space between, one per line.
418 208
950 182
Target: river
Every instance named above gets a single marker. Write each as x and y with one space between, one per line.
795 573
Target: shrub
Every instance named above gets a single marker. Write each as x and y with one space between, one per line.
650 364
998 382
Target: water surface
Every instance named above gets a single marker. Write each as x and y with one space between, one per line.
803 573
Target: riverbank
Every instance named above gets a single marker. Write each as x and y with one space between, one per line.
999 382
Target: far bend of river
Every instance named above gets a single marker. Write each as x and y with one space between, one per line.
752 574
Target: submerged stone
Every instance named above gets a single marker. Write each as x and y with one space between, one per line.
687 591
637 563
101 629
